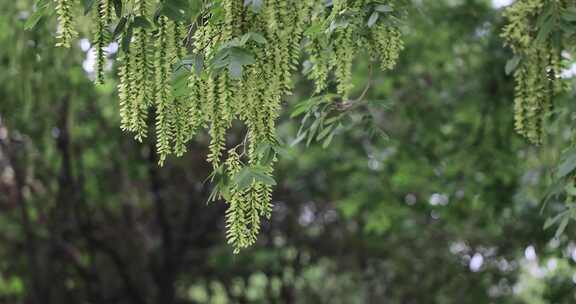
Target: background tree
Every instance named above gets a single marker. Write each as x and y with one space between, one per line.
424 194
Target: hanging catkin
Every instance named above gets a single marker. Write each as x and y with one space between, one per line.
101 37
538 63
66 31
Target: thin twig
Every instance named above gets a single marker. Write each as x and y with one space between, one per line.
347 105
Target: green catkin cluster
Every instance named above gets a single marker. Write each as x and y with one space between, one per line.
386 45
538 61
144 74
237 226
346 30
66 31
244 57
164 102
102 36
126 84
217 99
179 119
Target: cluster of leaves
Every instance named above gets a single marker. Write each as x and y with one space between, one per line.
324 117
562 189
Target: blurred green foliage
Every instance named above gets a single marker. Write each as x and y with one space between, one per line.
442 205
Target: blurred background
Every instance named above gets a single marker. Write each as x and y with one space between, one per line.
435 200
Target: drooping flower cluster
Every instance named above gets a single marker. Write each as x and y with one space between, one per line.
66 31
346 30
103 19
534 34
234 62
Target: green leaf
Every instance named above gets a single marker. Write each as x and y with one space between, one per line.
40 10
118 7
35 18
255 5
562 227
127 38
119 27
180 82
306 105
235 69
512 64
300 109
243 179
553 220
241 56
216 174
213 195
325 132
141 21
553 190
88 4
185 62
282 151
382 8
332 120
256 37
220 189
544 31
298 139
265 153
568 164
570 189
248 175
232 58
314 30
220 181
312 131
262 149
328 140
176 10
172 13
198 63
338 23
373 18
569 14
263 178
220 60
